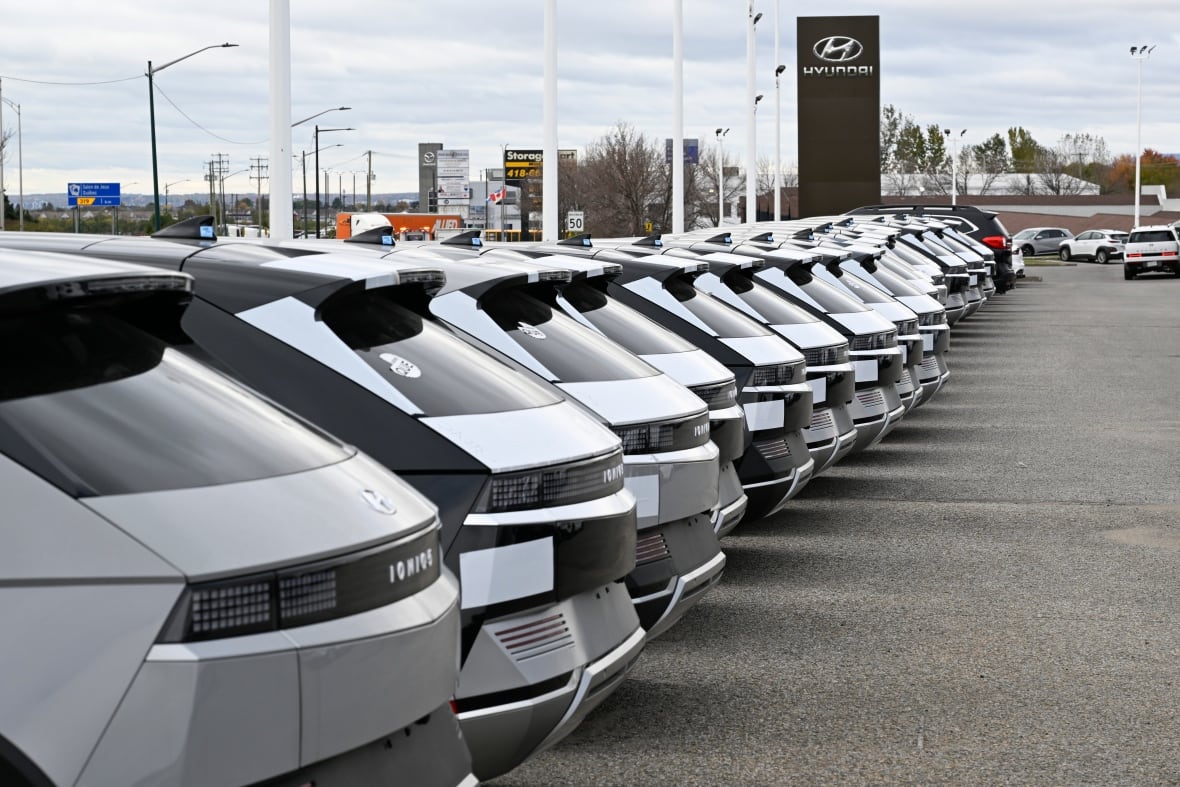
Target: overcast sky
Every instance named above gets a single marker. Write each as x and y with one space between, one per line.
469 75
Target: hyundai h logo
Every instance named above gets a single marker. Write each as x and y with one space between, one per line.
838 49
379 502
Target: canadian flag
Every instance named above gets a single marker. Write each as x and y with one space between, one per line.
497 196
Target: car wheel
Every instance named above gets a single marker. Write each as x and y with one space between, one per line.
1102 257
1027 251
1127 274
1064 253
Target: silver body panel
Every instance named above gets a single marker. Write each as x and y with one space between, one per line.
286 516
498 440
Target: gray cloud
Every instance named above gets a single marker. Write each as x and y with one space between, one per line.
470 76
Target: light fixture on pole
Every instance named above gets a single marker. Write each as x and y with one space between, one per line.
151 72
778 143
319 131
720 175
1139 53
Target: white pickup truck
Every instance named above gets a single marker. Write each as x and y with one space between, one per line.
1151 249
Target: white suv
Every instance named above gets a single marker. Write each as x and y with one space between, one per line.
1151 249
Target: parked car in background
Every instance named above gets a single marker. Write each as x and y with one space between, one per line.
1151 249
1098 245
1040 240
1018 263
982 225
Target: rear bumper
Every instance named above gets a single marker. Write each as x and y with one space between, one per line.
875 411
502 738
557 657
673 562
1160 265
733 501
683 593
246 709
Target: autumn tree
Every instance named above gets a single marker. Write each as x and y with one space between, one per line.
1155 168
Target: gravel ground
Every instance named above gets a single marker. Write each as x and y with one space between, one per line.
987 597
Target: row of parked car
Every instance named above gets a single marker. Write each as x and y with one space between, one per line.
351 512
1145 249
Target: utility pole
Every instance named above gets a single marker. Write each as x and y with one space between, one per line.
258 172
369 181
218 169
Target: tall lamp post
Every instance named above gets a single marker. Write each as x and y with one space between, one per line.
319 131
151 73
954 157
20 165
778 144
167 186
1139 53
720 175
751 119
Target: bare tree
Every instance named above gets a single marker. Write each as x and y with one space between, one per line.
622 178
733 186
990 159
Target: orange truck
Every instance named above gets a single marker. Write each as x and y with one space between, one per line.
406 226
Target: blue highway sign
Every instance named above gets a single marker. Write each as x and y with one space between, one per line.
99 195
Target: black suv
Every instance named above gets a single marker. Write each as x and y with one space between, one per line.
982 225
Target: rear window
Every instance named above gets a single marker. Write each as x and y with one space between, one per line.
774 309
628 327
726 321
439 372
573 352
1151 236
97 407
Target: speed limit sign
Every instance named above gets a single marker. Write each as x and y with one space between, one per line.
575 221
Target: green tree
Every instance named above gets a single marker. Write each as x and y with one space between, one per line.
989 159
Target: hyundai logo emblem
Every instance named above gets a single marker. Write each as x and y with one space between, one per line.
379 502
838 49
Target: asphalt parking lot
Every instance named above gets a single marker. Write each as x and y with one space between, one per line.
990 596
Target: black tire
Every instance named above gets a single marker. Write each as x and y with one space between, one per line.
1127 274
1063 253
1027 251
1102 257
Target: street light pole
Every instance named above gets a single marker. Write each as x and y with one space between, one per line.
720 175
20 164
167 186
778 138
319 131
954 156
1139 53
151 72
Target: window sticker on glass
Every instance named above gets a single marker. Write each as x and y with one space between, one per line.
401 366
529 330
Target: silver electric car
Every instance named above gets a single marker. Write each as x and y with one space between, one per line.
539 531
506 307
198 587
584 297
876 406
770 373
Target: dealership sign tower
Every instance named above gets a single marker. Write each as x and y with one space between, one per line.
839 89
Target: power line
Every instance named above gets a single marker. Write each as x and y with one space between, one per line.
202 128
71 84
